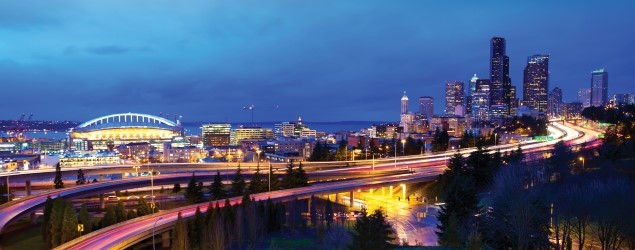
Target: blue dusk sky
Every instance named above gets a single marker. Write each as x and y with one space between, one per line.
322 60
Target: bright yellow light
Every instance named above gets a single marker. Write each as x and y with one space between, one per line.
582 159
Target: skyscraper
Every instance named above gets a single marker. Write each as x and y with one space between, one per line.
404 103
584 97
480 102
468 95
599 88
454 95
500 88
536 82
555 101
426 107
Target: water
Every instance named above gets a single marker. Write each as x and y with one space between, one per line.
194 128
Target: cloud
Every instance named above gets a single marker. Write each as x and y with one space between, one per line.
107 50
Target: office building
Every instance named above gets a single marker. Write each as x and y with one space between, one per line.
251 133
480 103
216 134
599 88
555 101
471 89
454 95
426 107
501 85
584 97
536 83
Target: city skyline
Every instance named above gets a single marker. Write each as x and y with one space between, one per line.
74 61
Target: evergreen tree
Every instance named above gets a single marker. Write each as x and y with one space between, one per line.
84 218
176 188
110 217
440 140
56 220
316 155
193 191
328 213
59 183
131 214
120 212
3 191
313 213
217 187
451 235
143 208
238 183
81 179
196 228
180 240
460 202
371 232
289 179
342 151
257 184
46 222
69 224
301 178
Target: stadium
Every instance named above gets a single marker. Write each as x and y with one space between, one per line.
116 129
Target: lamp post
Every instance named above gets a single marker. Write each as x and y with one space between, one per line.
403 147
495 140
153 232
395 154
582 159
151 187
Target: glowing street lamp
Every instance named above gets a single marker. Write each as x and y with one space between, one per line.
582 160
403 146
153 232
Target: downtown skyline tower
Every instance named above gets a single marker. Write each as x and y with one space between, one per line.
501 90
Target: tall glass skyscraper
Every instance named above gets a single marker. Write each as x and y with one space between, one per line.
555 101
426 107
471 89
500 88
454 94
599 88
536 83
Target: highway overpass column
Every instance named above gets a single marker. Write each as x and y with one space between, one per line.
351 200
101 178
102 203
123 175
27 186
33 218
383 193
165 239
390 192
337 198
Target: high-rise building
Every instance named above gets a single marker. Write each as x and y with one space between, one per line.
404 103
584 97
623 99
251 133
599 88
480 103
426 107
536 82
454 95
501 84
216 134
555 101
469 94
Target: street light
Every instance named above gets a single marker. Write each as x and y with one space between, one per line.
258 154
151 187
403 147
153 231
495 140
582 159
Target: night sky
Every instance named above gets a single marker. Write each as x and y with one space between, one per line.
322 60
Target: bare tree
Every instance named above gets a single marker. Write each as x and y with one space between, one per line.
337 237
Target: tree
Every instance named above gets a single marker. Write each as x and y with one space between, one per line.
84 219
217 187
451 234
257 183
46 222
313 213
328 213
317 154
120 212
69 224
3 191
238 183
59 183
440 140
176 188
143 208
289 179
180 240
193 191
301 178
371 232
81 179
460 202
110 217
342 151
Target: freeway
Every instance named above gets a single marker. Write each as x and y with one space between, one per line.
23 207
130 232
